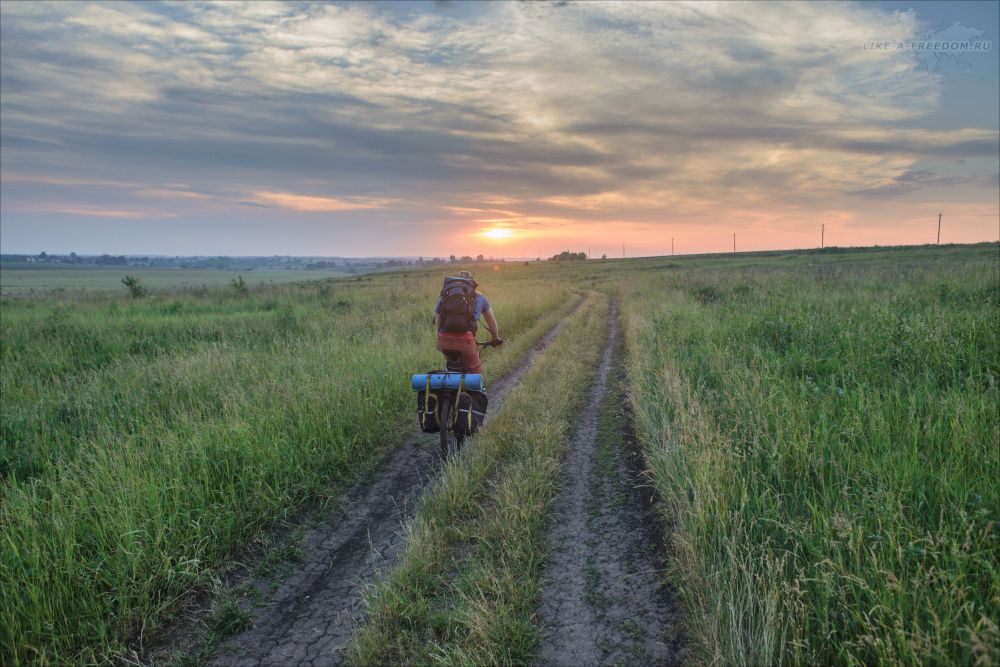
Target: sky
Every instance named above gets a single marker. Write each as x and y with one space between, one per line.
504 129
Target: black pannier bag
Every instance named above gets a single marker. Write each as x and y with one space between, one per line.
428 411
471 411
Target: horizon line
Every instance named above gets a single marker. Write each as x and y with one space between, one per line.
486 259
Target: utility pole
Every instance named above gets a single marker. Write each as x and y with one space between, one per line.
939 229
822 236
623 251
734 243
671 246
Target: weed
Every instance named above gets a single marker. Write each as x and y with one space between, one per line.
279 559
228 617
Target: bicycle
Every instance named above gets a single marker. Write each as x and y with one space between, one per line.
452 434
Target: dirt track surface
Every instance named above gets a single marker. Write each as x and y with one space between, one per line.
604 601
310 617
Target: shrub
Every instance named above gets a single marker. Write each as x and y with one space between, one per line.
135 287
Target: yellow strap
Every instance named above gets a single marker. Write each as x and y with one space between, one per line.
458 397
468 426
427 397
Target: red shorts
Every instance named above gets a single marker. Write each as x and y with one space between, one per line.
464 344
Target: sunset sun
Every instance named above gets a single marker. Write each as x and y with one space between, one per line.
498 233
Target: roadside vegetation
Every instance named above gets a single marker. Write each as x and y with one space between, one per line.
147 440
825 440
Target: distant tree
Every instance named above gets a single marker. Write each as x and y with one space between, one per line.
480 258
604 256
42 255
567 255
134 286
465 259
239 285
452 259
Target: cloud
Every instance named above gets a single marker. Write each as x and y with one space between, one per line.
593 111
90 211
172 193
312 204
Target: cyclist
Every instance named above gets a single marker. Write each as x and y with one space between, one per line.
456 318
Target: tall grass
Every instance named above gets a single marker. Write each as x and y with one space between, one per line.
826 442
144 442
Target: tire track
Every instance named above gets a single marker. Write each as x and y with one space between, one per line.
310 618
604 601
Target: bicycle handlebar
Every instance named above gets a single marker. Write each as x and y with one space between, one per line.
490 343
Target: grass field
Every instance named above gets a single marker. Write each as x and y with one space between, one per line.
145 441
826 441
21 278
821 428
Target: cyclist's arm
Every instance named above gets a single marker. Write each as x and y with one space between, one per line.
491 323
437 322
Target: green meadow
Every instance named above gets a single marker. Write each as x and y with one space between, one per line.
826 439
21 278
821 428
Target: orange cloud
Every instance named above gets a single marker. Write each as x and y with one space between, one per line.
313 204
96 211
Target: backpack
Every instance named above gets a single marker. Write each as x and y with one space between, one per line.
458 305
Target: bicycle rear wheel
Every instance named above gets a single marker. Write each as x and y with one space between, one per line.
445 423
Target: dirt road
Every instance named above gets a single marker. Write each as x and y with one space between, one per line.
309 618
604 601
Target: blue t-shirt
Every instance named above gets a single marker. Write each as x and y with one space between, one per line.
482 305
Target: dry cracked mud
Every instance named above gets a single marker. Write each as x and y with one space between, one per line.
604 600
308 618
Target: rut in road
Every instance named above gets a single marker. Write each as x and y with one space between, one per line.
603 599
310 617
